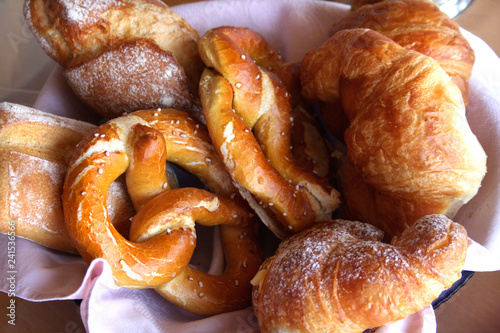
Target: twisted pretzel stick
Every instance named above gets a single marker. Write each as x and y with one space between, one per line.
244 97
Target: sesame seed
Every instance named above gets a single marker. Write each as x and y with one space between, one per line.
183 135
201 294
238 85
208 159
290 227
164 185
107 153
200 284
83 193
284 214
271 204
236 283
174 274
243 56
258 76
190 278
103 135
282 133
100 171
159 109
96 134
235 216
155 114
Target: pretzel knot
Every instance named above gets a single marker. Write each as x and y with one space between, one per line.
249 116
162 235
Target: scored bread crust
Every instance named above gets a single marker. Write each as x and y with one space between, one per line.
113 50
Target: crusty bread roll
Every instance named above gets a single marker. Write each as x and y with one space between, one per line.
410 150
160 52
35 148
338 277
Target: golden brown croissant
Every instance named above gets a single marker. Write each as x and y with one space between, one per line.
337 277
410 150
121 55
417 25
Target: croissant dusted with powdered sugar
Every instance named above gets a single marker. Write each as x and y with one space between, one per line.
410 150
337 276
121 55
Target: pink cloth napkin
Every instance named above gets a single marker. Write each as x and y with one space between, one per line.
292 27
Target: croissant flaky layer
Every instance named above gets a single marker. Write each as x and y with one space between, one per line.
417 25
410 150
338 277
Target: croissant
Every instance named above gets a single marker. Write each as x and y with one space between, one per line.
122 55
410 150
337 277
417 25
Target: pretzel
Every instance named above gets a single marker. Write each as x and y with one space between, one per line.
162 236
239 95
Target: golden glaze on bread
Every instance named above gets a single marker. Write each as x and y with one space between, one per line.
75 32
35 148
338 277
410 151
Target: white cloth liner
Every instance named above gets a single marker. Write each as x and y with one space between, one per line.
292 27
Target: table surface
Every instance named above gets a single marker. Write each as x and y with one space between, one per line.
481 293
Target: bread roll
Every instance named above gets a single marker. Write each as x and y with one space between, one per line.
115 50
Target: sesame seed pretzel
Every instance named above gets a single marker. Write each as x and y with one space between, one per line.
162 235
248 113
